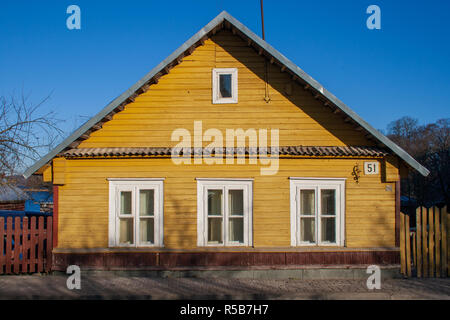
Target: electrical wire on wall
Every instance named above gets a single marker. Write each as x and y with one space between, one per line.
266 73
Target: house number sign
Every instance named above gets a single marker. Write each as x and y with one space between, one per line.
372 167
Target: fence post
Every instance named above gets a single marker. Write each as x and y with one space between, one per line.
402 244
418 242
25 244
17 247
444 217
425 241
8 244
437 235
431 240
33 245
414 251
408 246
41 244
48 262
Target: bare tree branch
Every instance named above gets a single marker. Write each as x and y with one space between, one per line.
430 145
26 134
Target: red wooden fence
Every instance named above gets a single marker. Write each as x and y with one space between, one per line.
25 245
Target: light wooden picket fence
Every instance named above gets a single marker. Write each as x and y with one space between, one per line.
424 249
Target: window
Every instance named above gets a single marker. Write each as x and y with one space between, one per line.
135 212
224 212
317 211
225 89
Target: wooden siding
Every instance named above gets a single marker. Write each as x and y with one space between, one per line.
59 166
83 200
184 96
47 174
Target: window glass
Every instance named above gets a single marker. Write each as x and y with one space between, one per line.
126 231
328 230
328 201
307 230
125 202
147 230
146 202
215 202
236 202
236 230
307 202
215 230
225 86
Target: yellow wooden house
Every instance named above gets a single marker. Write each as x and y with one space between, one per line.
225 154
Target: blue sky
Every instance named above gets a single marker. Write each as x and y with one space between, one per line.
402 69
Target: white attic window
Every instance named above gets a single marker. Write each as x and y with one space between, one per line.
225 85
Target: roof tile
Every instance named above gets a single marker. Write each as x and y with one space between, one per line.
286 150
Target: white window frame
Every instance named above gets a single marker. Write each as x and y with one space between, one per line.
297 184
203 184
215 85
120 184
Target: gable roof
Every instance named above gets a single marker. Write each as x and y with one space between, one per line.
225 20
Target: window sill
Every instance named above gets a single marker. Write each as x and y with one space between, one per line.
216 246
134 248
225 102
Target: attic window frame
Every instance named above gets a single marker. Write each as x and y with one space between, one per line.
216 72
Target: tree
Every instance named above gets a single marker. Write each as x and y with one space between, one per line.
26 132
430 145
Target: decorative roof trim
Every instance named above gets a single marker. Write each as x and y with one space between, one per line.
311 151
152 77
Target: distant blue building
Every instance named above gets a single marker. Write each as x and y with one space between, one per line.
19 198
36 200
